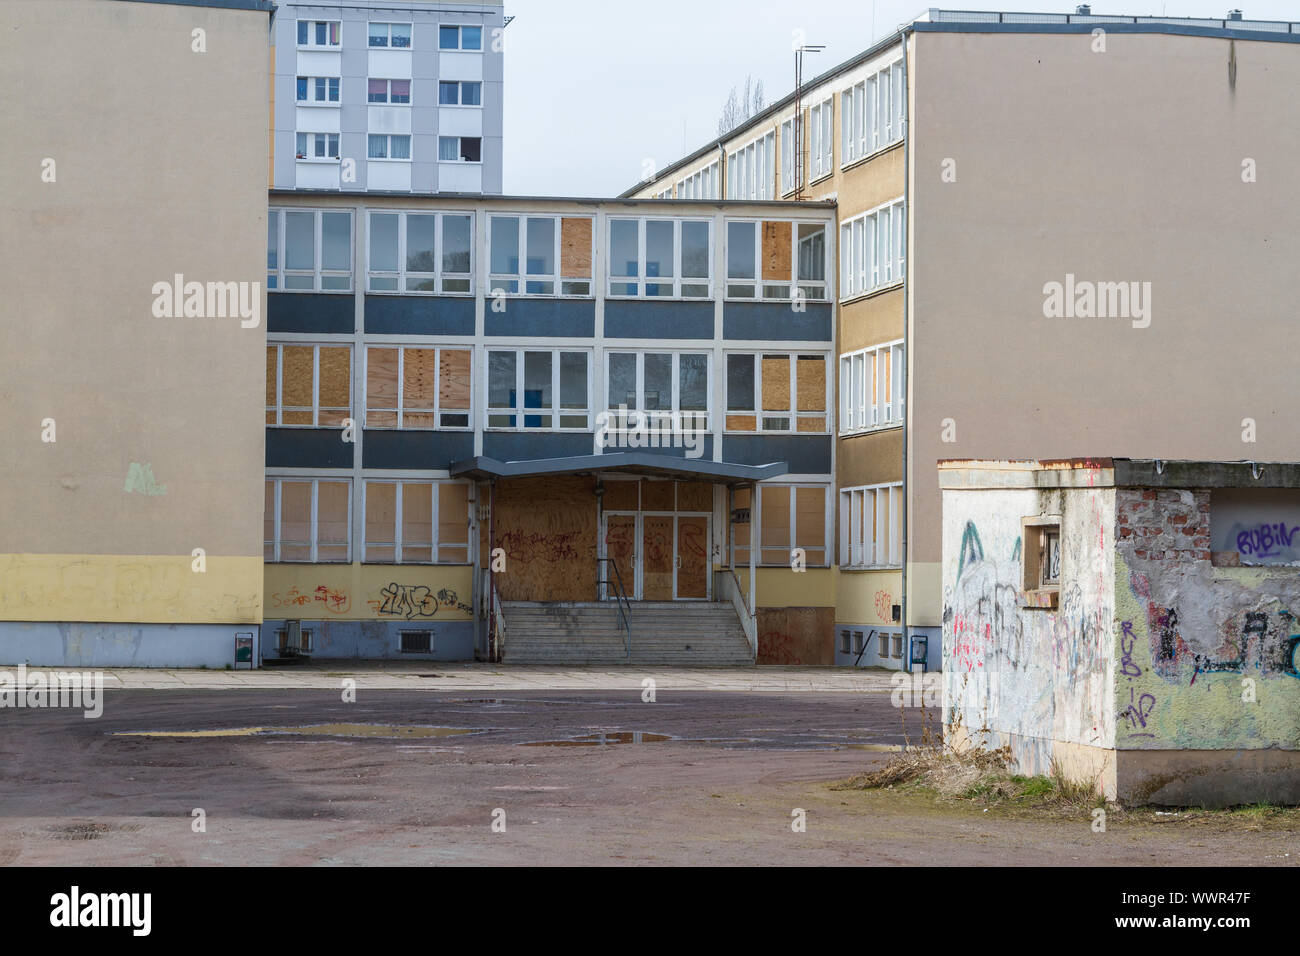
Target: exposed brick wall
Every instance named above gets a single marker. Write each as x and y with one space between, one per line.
1164 525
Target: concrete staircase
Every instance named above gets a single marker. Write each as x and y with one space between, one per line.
680 633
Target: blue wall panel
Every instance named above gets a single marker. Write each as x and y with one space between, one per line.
419 315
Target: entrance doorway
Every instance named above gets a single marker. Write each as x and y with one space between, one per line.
662 552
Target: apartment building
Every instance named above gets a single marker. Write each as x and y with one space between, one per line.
516 428
387 96
132 333
981 163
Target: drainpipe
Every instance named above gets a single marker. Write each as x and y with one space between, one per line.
907 349
492 635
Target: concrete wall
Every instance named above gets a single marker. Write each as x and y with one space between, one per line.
1117 166
158 434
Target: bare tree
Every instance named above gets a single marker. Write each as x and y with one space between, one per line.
741 106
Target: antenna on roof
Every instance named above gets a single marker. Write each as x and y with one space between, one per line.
797 125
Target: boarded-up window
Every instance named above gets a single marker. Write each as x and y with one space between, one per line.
793 516
791 390
308 520
810 524
409 387
417 522
741 522
308 385
776 260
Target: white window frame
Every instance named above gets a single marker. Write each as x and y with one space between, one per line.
388 156
309 154
460 94
463 162
311 43
641 280
315 514
460 37
884 550
791 169
821 141
760 285
873 114
756 163
793 414
319 274
388 34
436 545
556 412
312 99
402 274
279 407
756 523
701 184
437 411
863 239
682 421
558 282
388 93
862 373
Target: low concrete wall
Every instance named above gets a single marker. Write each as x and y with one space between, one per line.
378 640
1209 778
74 644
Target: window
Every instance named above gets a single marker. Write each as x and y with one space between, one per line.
669 387
660 257
308 385
395 35
282 640
872 114
791 516
844 642
870 526
420 253
1040 558
792 388
791 160
871 388
309 250
416 522
872 250
388 91
858 642
821 137
540 255
319 89
409 387
548 389
318 33
389 146
460 38
460 93
323 146
793 257
701 184
751 170
307 520
460 149
416 642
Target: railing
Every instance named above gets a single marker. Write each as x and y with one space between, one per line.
863 649
748 620
620 598
1097 19
496 621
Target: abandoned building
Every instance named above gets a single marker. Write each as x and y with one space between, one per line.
1130 623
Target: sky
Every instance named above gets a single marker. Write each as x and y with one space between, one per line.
596 88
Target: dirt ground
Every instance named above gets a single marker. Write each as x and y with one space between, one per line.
394 779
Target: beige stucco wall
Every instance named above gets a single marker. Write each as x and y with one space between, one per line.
1117 166
158 171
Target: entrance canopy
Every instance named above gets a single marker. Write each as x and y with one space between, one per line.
638 462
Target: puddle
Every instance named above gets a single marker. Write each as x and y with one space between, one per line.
404 731
875 748
602 739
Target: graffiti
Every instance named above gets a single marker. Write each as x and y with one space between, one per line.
526 548
972 550
140 480
1139 709
335 601
884 605
778 647
1266 540
408 601
1126 642
449 598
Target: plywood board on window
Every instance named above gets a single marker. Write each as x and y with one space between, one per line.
775 503
657 496
297 364
810 380
381 378
810 517
454 382
272 360
776 383
694 496
335 377
417 514
548 530
622 495
658 557
575 248
453 514
812 424
796 635
776 251
742 423
419 378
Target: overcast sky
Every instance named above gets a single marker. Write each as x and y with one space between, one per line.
594 88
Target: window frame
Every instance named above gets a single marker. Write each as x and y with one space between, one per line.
316 409
436 544
557 278
758 283
437 411
277 518
756 510
311 100
695 183
701 421
388 34
318 272
861 268
460 37
854 547
755 164
858 413
461 161
460 94
402 274
308 155
311 43
821 143
641 280
388 147
388 100
793 414
790 165
876 129
520 412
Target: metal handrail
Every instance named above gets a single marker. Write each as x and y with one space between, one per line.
620 598
865 644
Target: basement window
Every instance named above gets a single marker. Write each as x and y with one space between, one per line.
282 640
1041 561
417 642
